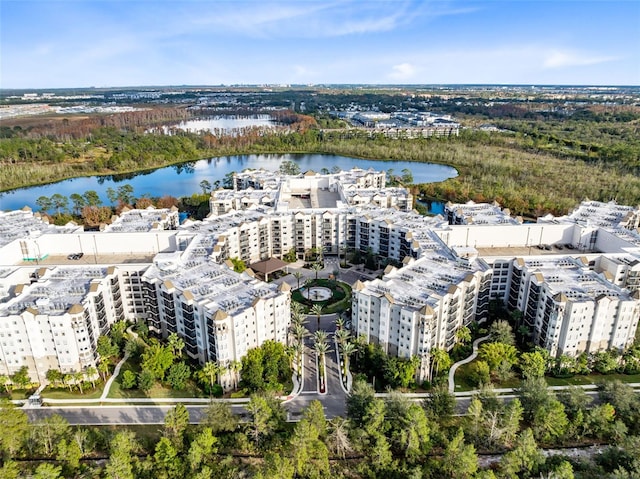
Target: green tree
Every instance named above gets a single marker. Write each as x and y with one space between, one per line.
91 198
238 265
316 309
278 467
220 418
265 417
298 276
78 202
463 335
176 344
480 373
179 374
106 348
47 471
59 202
289 168
128 379
206 186
45 203
549 421
316 268
524 459
495 353
501 332
167 462
358 400
157 359
15 426
21 378
532 365
48 432
209 374
459 459
440 403
202 449
5 382
70 454
146 380
176 422
10 470
440 361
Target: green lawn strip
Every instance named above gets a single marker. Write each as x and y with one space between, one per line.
464 383
63 393
158 391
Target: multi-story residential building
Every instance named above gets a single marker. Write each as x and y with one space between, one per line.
420 306
444 275
219 314
479 214
53 319
148 219
571 309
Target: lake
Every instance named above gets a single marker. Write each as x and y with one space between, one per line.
222 124
184 179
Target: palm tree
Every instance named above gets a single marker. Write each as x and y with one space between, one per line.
209 372
103 368
317 267
299 332
317 310
439 357
91 376
235 367
176 344
296 308
298 350
346 349
298 275
321 350
298 318
78 378
320 336
340 323
464 335
342 336
68 380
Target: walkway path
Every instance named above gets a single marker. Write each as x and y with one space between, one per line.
454 368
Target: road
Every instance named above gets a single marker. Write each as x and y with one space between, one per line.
334 397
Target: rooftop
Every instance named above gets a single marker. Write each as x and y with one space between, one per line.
20 224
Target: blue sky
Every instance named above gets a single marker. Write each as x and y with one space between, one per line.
81 43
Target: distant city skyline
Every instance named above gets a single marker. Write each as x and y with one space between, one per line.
58 44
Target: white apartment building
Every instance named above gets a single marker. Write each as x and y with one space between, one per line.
571 309
52 319
143 220
472 213
420 306
219 314
179 281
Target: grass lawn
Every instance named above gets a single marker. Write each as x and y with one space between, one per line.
464 383
63 393
157 391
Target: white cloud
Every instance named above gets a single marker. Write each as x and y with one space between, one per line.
402 72
562 59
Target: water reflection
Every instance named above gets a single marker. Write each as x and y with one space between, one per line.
184 179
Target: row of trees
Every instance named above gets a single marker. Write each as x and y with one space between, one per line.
380 437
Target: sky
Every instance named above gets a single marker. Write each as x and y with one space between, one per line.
84 43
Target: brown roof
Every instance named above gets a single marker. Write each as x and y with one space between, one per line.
268 266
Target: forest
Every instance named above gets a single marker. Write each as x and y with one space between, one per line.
523 166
